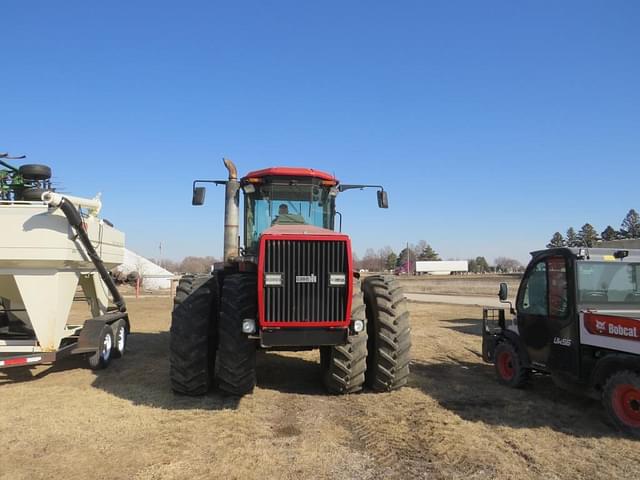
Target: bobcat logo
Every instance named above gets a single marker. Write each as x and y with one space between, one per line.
601 326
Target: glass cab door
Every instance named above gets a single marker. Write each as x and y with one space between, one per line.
544 316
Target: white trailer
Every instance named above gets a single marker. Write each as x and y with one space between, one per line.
48 249
442 267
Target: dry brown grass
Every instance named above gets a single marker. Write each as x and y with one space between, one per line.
452 421
485 285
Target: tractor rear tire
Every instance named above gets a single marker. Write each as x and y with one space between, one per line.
236 363
621 400
389 334
187 285
35 172
510 370
343 366
193 341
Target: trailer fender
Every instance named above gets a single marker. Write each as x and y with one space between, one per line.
89 339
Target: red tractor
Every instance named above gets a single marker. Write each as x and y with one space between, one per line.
291 286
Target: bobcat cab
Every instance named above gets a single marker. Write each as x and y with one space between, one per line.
577 318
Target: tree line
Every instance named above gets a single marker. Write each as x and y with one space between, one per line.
588 236
386 259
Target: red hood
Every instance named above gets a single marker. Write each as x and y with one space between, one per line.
297 230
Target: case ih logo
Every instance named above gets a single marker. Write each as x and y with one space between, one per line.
612 326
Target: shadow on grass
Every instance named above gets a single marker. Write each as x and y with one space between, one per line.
469 326
471 391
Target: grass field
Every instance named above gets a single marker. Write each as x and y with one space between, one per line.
451 421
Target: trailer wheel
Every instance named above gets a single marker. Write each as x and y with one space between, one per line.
193 341
621 400
343 366
120 338
508 365
236 363
102 357
35 172
389 343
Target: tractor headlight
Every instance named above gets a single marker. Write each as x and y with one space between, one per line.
358 326
248 325
337 279
273 279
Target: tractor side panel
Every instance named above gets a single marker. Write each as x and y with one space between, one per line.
305 298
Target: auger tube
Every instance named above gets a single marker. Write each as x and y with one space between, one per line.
75 220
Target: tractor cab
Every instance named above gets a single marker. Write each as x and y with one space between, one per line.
287 196
577 317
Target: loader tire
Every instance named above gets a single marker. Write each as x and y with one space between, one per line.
509 367
621 401
343 366
389 334
194 341
236 363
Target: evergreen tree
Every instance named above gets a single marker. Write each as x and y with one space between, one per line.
587 237
390 264
482 265
572 238
609 234
556 241
473 266
428 253
631 225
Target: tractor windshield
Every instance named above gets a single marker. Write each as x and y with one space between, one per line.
291 203
609 283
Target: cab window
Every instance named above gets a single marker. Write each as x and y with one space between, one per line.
534 299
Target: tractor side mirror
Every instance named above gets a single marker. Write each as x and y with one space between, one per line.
383 200
504 292
198 196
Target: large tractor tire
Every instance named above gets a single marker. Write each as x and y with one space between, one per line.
621 400
343 366
193 340
389 334
236 363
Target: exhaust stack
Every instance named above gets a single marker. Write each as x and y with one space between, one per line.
231 212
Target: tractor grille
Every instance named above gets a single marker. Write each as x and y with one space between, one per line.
300 301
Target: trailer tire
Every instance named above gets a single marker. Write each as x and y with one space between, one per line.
389 332
35 172
509 367
343 366
120 335
621 400
102 357
236 363
194 340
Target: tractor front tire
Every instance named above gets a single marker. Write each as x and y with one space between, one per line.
389 334
193 341
621 400
236 363
343 366
508 365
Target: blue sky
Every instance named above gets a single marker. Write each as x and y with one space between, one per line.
492 124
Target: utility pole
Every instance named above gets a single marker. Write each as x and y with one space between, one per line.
160 259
